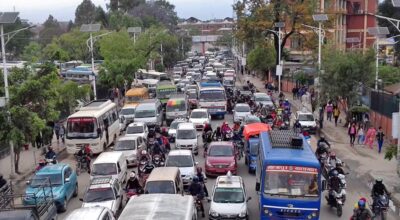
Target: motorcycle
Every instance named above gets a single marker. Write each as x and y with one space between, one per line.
199 204
132 193
157 160
227 134
81 164
381 206
337 198
145 172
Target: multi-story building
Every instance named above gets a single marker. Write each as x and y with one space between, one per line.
211 27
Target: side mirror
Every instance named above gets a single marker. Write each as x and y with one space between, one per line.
248 199
257 186
208 200
81 199
67 180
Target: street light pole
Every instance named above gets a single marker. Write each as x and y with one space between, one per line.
279 58
319 45
94 75
377 63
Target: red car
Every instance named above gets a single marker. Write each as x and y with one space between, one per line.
221 158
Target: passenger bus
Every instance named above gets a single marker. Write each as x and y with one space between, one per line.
288 177
80 74
213 98
164 90
135 95
96 124
141 75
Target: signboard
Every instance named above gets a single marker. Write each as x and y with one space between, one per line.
292 169
135 29
395 125
279 70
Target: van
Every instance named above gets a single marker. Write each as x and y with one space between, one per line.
165 180
177 107
91 213
110 164
126 116
186 137
150 112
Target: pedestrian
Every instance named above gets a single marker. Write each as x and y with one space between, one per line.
57 131
329 110
352 133
379 137
360 134
62 133
370 137
294 91
336 114
321 118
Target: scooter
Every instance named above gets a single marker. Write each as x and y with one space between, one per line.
337 198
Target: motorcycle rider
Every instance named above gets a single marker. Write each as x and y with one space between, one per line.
334 184
144 156
323 140
157 149
338 168
200 175
378 189
50 155
361 212
297 126
196 189
236 126
217 134
3 182
85 153
332 160
322 148
133 183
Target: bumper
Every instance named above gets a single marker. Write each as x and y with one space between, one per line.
213 171
236 217
183 147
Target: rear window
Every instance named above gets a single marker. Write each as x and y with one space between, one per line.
166 187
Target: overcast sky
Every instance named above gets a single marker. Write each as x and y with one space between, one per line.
64 10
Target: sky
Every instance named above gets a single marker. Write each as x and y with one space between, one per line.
37 11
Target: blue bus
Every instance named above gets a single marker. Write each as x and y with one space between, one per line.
251 153
288 177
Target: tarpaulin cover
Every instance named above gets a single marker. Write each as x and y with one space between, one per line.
255 129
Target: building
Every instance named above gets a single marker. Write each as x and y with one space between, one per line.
210 27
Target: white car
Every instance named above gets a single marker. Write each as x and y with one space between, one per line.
241 110
228 198
186 137
200 117
128 146
176 78
263 98
307 121
137 129
126 116
184 160
104 191
172 128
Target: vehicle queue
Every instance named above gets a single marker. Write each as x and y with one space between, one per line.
286 170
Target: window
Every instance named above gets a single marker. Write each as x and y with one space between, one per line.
356 7
67 172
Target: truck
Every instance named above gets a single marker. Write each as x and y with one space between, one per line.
12 205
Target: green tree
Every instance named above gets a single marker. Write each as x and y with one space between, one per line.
17 44
85 13
71 91
51 29
54 52
32 52
389 74
261 59
101 16
120 21
225 40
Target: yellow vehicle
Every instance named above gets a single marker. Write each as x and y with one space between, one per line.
136 95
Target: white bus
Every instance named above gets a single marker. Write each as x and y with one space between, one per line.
141 75
96 124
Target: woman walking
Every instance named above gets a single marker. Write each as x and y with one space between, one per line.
336 113
329 111
352 133
360 135
370 138
379 138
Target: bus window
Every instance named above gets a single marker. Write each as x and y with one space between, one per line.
81 127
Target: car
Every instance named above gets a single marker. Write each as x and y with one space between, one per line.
105 192
91 213
307 121
263 98
220 158
176 78
250 119
184 160
63 181
172 128
129 146
241 110
177 70
137 129
200 117
228 199
126 116
187 137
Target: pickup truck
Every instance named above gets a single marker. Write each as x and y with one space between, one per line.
12 205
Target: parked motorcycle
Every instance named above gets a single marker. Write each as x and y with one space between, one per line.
381 206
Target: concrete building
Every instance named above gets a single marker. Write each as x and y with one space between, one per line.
210 27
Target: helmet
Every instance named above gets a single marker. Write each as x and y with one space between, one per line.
361 203
195 179
132 175
322 137
333 155
335 173
144 152
379 180
338 163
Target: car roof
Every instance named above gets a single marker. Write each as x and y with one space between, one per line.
303 113
52 168
135 124
181 120
242 104
180 152
145 105
129 106
186 125
163 173
260 94
199 110
128 138
102 182
108 157
229 182
88 213
221 143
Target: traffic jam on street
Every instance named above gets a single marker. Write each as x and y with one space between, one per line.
192 148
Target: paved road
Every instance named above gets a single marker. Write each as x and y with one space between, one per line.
354 191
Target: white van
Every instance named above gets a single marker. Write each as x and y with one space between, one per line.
91 213
150 112
166 180
186 137
110 164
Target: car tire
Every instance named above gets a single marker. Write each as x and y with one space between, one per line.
75 191
64 206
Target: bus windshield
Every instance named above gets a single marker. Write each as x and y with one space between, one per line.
165 93
291 181
212 95
82 128
178 105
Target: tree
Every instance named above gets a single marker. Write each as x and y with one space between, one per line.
71 91
261 59
32 52
101 16
389 74
120 21
51 29
54 52
256 16
16 45
385 8
345 74
225 40
85 13
127 5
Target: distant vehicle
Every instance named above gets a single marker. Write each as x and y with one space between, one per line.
173 126
135 95
160 206
229 198
241 110
228 82
250 119
97 124
220 158
307 121
177 70
63 181
263 98
126 116
150 112
283 155
166 180
137 129
213 98
192 98
91 213
200 117
251 153
176 78
129 146
143 75
104 191
110 164
184 160
186 137
177 107
164 91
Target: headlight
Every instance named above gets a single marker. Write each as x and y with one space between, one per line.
208 164
266 211
213 213
242 214
232 164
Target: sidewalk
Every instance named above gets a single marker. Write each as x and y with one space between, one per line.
366 163
27 162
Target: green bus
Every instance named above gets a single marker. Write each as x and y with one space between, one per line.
164 91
